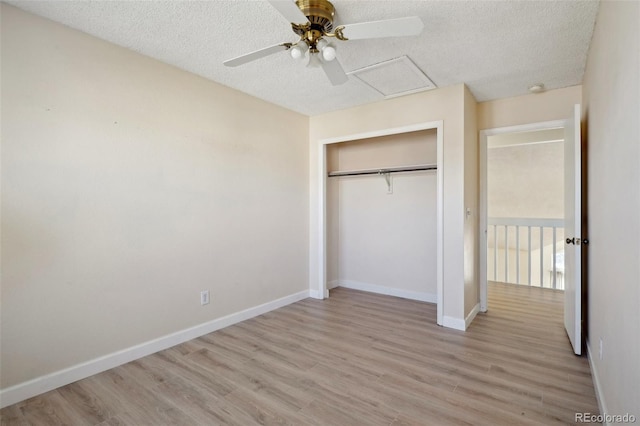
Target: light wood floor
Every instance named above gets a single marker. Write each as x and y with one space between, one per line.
354 359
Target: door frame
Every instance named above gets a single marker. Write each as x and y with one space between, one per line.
482 152
322 181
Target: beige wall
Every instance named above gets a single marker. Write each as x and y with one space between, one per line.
526 181
535 108
447 104
611 93
380 241
471 203
404 149
128 186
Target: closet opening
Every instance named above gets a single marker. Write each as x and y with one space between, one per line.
382 213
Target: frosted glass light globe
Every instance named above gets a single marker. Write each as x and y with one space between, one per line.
296 52
321 44
329 53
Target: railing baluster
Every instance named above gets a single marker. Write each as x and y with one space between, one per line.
506 253
541 257
516 224
518 254
554 257
529 255
495 252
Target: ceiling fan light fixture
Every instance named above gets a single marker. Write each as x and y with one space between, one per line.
321 44
329 53
314 60
327 50
312 21
298 51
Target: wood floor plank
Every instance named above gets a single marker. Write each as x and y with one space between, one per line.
337 398
139 400
84 400
356 358
202 405
265 411
255 377
177 365
48 409
469 409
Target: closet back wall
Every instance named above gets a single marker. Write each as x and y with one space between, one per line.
377 241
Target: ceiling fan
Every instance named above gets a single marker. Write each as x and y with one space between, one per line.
312 20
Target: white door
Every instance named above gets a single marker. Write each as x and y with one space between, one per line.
573 231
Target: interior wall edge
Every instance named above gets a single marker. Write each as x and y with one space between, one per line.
472 315
46 383
596 381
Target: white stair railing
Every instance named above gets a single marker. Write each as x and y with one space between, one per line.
512 246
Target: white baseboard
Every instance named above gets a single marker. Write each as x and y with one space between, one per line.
333 284
455 323
390 291
471 316
317 294
60 378
459 323
596 382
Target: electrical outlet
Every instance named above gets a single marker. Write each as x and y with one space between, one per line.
204 297
600 350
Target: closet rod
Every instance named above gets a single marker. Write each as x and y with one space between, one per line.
384 171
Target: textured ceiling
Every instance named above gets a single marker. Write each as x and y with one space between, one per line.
498 48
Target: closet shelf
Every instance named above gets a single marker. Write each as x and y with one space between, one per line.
384 170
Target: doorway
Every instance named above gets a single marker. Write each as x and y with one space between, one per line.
521 206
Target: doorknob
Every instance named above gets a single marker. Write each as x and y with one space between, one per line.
577 241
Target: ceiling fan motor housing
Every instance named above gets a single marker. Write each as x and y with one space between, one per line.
319 12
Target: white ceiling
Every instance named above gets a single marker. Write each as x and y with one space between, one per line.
498 48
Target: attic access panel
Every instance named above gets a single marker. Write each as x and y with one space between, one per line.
395 77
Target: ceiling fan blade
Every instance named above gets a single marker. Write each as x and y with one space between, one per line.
290 11
387 28
334 72
240 60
